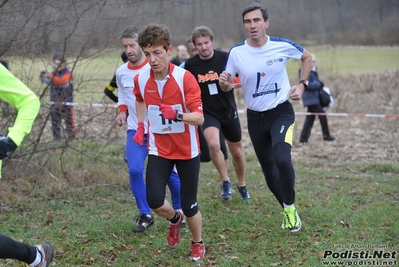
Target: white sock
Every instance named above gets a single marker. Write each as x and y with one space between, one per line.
38 259
287 206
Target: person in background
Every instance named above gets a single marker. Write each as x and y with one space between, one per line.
136 154
14 92
61 93
311 100
171 98
191 50
204 154
260 62
110 89
220 110
181 55
112 86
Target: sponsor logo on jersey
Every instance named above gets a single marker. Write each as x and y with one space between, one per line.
266 89
166 129
210 76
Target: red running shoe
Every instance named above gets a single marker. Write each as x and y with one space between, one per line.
174 232
197 252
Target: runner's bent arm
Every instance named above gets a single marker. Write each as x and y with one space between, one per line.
16 93
141 110
193 100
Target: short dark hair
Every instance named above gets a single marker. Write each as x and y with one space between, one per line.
253 7
155 34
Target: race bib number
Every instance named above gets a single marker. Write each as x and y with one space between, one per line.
127 83
160 125
213 90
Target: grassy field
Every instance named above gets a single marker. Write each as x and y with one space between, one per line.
338 61
351 206
88 216
94 73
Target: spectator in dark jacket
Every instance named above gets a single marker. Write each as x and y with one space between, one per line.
311 100
61 97
181 55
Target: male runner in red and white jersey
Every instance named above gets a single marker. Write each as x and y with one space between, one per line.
260 63
171 98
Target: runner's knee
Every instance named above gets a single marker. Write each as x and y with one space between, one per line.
282 155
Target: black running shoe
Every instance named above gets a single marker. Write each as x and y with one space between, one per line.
328 138
144 221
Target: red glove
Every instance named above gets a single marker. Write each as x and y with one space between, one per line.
168 112
139 136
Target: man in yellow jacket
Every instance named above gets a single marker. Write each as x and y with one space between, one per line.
14 92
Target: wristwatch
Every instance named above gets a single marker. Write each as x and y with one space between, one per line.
179 115
304 82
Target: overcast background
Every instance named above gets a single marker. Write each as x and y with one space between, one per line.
79 27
